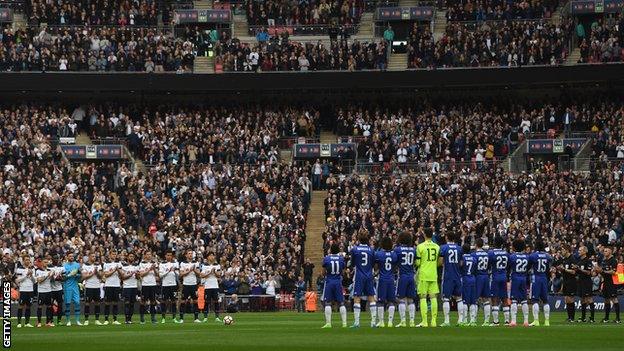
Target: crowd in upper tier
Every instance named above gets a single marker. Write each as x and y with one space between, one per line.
95 49
504 43
286 55
303 12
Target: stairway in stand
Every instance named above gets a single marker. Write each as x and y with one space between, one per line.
409 3
575 55
203 64
202 5
439 25
397 62
366 29
315 226
241 27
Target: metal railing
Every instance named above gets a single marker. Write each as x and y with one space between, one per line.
301 29
427 167
287 142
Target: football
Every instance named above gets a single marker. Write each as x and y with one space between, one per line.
228 320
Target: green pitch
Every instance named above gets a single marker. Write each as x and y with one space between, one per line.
292 331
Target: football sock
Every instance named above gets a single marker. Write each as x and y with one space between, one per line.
536 311
473 313
434 310
514 312
87 309
115 310
391 310
49 314
525 311
571 309
546 311
152 311
67 310
343 314
27 314
142 312
487 310
616 308
446 308
20 312
39 314
106 311
506 313
216 309
373 312
412 311
607 309
163 309
423 310
328 312
402 309
380 312
592 310
182 307
460 308
495 310
356 313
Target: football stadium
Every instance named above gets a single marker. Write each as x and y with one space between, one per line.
312 174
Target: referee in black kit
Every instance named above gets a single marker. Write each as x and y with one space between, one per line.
585 292
567 266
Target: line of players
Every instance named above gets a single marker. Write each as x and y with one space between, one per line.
468 278
162 284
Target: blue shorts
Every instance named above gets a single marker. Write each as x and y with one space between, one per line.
333 292
451 288
71 294
406 287
386 291
539 289
469 293
483 286
498 288
363 286
518 288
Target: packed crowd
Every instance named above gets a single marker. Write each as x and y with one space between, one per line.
94 49
437 135
427 133
504 43
554 207
602 41
304 12
180 135
252 217
284 55
93 13
499 10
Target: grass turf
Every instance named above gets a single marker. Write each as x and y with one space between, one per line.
292 331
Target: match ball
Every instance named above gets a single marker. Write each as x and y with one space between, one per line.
228 320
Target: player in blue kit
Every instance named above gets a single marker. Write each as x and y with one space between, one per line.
450 258
362 261
406 289
334 265
469 287
71 291
499 261
483 280
386 261
540 263
519 266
